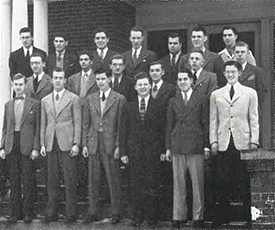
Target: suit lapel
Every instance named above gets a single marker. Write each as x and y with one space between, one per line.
97 102
206 58
201 79
42 83
31 84
11 113
180 104
162 90
109 102
128 56
245 73
91 81
77 83
64 100
27 107
238 93
141 57
225 94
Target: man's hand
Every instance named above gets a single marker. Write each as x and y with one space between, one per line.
162 157
214 148
168 155
34 154
116 154
125 159
74 150
253 146
3 154
206 153
43 151
85 152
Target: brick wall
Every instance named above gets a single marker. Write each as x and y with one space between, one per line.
78 19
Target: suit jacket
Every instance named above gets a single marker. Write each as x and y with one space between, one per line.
97 63
239 117
187 125
252 76
18 64
126 87
71 64
29 129
62 121
146 57
171 72
45 87
74 83
206 83
110 120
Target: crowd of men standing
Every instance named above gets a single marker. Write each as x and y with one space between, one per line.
108 107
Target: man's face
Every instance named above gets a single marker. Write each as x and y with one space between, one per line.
37 65
136 39
19 86
231 74
184 82
174 45
26 39
241 53
58 80
196 61
85 62
143 87
60 44
156 73
117 66
102 81
229 38
198 39
101 40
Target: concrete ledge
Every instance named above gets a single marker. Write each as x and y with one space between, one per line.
260 154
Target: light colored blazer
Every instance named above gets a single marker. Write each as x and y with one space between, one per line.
110 121
63 121
239 116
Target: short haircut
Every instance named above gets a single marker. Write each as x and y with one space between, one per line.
156 63
198 29
241 43
18 76
142 75
196 51
227 27
233 63
117 56
59 70
39 54
175 35
87 52
25 30
61 35
189 73
101 70
137 29
101 30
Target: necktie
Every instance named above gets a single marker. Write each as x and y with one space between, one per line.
142 109
232 92
59 57
155 88
135 58
101 55
195 77
115 83
35 83
83 87
19 98
173 60
103 97
57 97
28 56
185 98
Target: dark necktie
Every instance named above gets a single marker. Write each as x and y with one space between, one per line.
103 97
173 60
135 58
28 56
19 98
57 97
101 55
232 92
35 83
195 77
59 58
115 83
155 88
142 109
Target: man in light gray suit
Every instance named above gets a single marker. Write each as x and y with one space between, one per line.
233 127
60 135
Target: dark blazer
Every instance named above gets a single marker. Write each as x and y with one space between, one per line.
171 72
252 76
45 87
17 62
29 129
98 64
71 64
206 83
188 126
126 87
146 57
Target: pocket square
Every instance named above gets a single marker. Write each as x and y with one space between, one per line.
32 111
144 60
252 77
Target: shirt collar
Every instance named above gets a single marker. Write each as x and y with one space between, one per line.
189 92
198 72
106 94
60 94
226 53
177 56
138 51
235 86
159 84
60 53
105 50
39 76
146 99
30 50
244 65
119 78
88 72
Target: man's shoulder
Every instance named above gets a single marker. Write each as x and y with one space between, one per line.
74 76
46 98
37 50
128 79
127 52
16 52
165 59
33 101
208 73
210 54
47 77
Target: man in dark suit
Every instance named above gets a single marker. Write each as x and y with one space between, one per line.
138 58
120 82
187 142
170 62
60 136
101 119
19 60
252 76
62 58
20 140
162 92
139 140
212 61
102 54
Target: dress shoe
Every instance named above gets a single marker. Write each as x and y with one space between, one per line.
115 218
12 220
70 219
49 219
27 219
198 224
91 218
